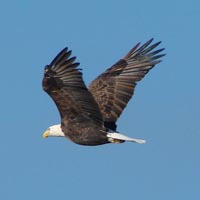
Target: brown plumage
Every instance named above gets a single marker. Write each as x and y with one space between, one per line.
88 113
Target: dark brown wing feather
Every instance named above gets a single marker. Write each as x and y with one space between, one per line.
63 82
113 89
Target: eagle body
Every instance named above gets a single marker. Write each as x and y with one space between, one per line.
89 136
81 130
89 114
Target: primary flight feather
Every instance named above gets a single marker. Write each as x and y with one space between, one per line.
89 115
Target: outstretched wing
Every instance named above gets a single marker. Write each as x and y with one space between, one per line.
63 82
113 89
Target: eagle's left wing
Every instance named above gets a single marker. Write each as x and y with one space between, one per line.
63 82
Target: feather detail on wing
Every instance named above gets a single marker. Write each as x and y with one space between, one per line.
63 82
113 89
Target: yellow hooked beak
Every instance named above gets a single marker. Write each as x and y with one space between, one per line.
45 134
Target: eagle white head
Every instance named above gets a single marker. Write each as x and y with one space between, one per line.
54 130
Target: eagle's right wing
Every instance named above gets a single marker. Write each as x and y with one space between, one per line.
113 89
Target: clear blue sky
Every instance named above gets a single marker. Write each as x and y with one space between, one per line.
165 109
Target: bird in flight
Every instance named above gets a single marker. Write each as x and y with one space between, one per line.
89 114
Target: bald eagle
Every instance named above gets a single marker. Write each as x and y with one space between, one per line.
89 115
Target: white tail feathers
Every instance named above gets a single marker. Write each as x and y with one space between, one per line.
112 136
